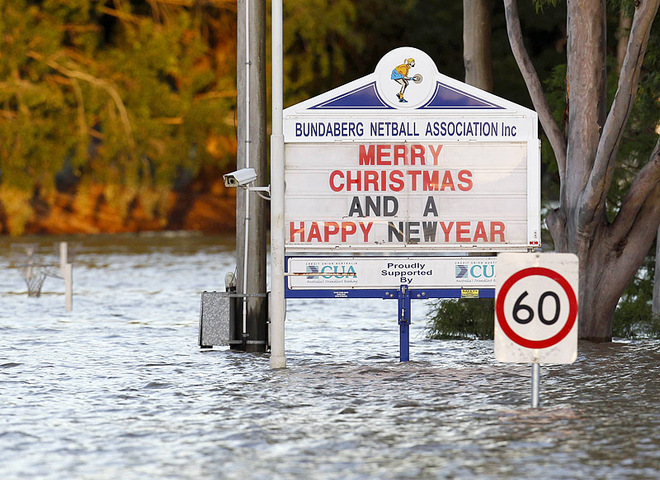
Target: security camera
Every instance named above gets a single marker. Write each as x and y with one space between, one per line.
240 178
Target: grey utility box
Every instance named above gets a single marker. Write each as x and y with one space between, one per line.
215 320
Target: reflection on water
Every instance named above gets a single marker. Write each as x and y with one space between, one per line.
118 389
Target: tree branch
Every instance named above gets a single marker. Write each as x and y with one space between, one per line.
608 146
227 4
633 247
647 179
80 101
119 14
99 82
550 127
82 123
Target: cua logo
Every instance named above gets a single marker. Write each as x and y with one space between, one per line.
475 271
331 271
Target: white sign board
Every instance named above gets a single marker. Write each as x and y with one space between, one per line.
536 308
313 273
409 160
404 196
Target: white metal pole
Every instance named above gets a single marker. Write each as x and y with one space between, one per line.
68 287
66 269
277 232
64 256
535 384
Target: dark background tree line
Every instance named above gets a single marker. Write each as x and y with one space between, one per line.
128 99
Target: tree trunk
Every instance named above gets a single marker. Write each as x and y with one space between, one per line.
600 288
610 253
587 102
476 44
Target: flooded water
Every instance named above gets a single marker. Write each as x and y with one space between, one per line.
118 388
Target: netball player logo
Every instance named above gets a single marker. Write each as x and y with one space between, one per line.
406 78
401 75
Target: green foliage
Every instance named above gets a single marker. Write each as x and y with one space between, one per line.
461 319
539 4
117 93
319 35
634 317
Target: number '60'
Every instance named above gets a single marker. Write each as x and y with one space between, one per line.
524 314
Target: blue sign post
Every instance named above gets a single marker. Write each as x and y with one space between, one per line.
404 323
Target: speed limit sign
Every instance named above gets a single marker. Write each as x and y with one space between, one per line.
536 307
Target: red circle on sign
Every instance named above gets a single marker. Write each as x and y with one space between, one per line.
572 310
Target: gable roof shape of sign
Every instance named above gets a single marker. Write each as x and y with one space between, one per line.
447 97
364 97
366 94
